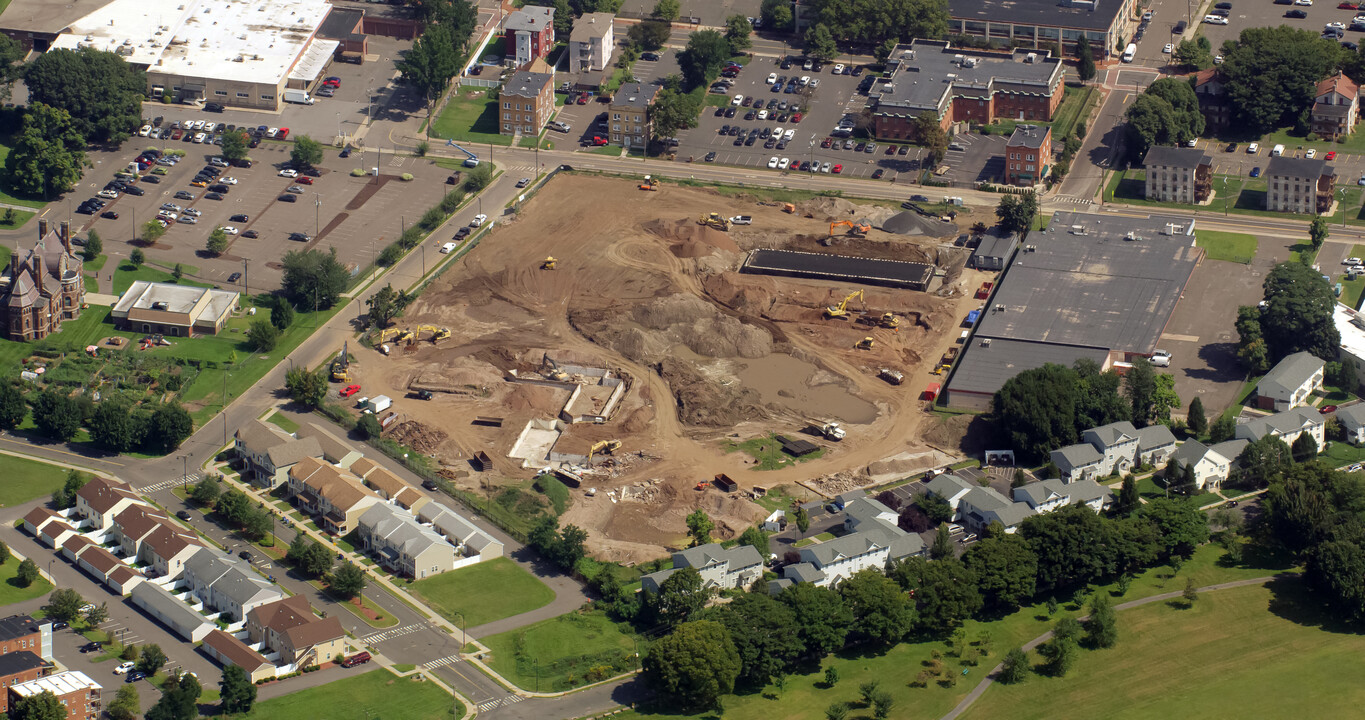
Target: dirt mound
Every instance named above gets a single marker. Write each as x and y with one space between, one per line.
747 294
910 223
534 398
704 402
687 239
417 436
652 329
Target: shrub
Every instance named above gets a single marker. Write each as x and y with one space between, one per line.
390 255
406 176
358 172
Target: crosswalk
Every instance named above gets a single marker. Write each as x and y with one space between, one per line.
190 479
441 662
392 633
500 702
1074 200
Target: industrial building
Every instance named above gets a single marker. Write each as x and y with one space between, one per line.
1040 23
1096 287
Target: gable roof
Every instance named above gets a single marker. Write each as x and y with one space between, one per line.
1352 416
258 436
1231 449
333 448
948 485
168 540
1340 84
400 529
1078 455
803 572
76 544
1114 433
138 521
319 630
1281 423
1289 374
739 556
235 651
54 529
102 494
1154 436
39 515
1300 168
1191 453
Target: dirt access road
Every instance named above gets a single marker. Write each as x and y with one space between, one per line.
710 354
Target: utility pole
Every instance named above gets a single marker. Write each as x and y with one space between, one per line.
317 215
246 279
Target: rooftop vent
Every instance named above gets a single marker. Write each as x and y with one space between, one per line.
1077 229
986 342
1031 58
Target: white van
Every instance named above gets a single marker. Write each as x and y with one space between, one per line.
1277 151
1129 52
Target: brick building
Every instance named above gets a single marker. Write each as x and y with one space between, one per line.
958 85
629 115
1027 155
17 668
529 34
19 633
44 286
73 688
528 102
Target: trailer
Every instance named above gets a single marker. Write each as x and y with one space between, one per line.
487 421
379 404
481 461
724 483
984 291
388 420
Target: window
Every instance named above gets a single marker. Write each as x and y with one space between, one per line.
267 97
220 93
243 95
507 106
175 88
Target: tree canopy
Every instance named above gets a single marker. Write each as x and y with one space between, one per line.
1297 314
694 665
701 61
869 22
1167 113
1272 73
761 629
48 154
881 613
314 279
101 91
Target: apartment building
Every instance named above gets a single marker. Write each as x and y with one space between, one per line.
267 453
720 568
1178 174
1290 383
1028 154
527 103
629 115
403 545
99 500
290 627
1299 185
591 42
1336 107
335 496
74 690
529 34
227 584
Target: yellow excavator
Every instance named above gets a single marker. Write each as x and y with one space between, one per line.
548 263
341 365
841 310
437 333
866 343
650 184
384 336
404 336
603 447
715 220
858 229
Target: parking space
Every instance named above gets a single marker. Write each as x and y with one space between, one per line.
826 100
975 158
653 72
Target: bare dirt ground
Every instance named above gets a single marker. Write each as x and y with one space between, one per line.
711 355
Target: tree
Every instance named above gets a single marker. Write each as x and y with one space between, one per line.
431 63
1005 569
1038 409
571 547
1139 386
699 527
1014 668
1194 54
1222 429
1317 231
236 143
1195 418
42 706
831 676
836 711
755 537
11 52
306 152
1167 113
206 491
1085 62
944 593
126 704
703 57
943 544
935 508
1073 547
694 665
881 613
1060 651
368 427
680 597
151 660
177 272
233 505
822 617
1016 212
1101 628
65 496
1305 448
385 305
1271 74
673 111
48 154
1262 462
1181 526
305 387
94 246
262 335
314 279
737 32
868 690
1128 496
179 699
667 10
347 581
649 34
776 14
882 703
102 92
281 314
13 409
761 629
929 134
868 24
97 614
28 573
218 242
236 690
114 426
820 43
4 553
802 520
169 426
56 415
257 523
1184 481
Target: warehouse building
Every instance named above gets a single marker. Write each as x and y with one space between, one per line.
242 53
1096 287
1038 24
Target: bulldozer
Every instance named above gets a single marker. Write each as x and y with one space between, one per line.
341 365
548 263
841 310
715 220
866 343
890 321
650 184
603 447
856 229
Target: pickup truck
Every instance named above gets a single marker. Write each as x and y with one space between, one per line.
742 220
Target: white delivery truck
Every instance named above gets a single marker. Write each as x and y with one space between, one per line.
298 96
379 404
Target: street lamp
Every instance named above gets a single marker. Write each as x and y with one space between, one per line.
317 215
185 471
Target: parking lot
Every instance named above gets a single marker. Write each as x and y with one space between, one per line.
329 209
981 158
822 107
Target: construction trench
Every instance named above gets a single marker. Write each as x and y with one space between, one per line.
648 350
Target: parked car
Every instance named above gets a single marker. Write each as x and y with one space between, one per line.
350 390
250 234
124 668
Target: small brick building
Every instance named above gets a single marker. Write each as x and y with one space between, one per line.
42 287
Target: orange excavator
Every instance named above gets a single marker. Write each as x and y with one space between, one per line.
858 229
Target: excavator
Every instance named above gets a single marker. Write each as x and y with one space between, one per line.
548 263
866 343
715 220
856 229
841 310
405 336
603 447
650 184
437 333
385 335
555 373
341 365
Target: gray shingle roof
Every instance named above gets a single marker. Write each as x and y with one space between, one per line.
526 84
634 95
531 19
400 529
590 26
1154 436
946 485
1077 455
1289 374
1230 449
1190 453
1180 157
1352 416
1029 136
803 572
1301 168
1115 433
1282 423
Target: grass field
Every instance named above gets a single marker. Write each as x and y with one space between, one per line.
484 592
1351 289
127 273
768 452
1232 247
806 695
1075 103
374 695
282 422
542 655
1227 656
469 117
10 592
28 480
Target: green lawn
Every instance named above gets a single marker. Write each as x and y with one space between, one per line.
1354 143
282 422
470 117
805 695
1351 289
1232 247
483 592
128 273
559 651
768 452
1074 106
28 479
371 696
1227 656
1342 453
20 216
10 592
1129 187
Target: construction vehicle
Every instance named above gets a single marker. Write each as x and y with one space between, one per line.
405 336
832 431
789 208
603 447
890 321
715 220
437 333
548 263
857 229
385 335
841 310
866 343
651 184
341 365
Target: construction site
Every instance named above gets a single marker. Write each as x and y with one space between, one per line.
628 342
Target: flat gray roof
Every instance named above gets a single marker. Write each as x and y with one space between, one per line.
527 84
1181 157
868 271
924 70
985 369
1028 136
45 17
1099 15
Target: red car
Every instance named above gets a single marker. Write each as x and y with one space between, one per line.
797 117
1348 6
1331 155
598 141
284 133
583 99
303 180
332 82
838 169
1327 409
826 142
350 390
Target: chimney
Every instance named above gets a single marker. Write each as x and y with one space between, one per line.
65 231
14 266
42 229
38 270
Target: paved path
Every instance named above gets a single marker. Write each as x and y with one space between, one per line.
1030 645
